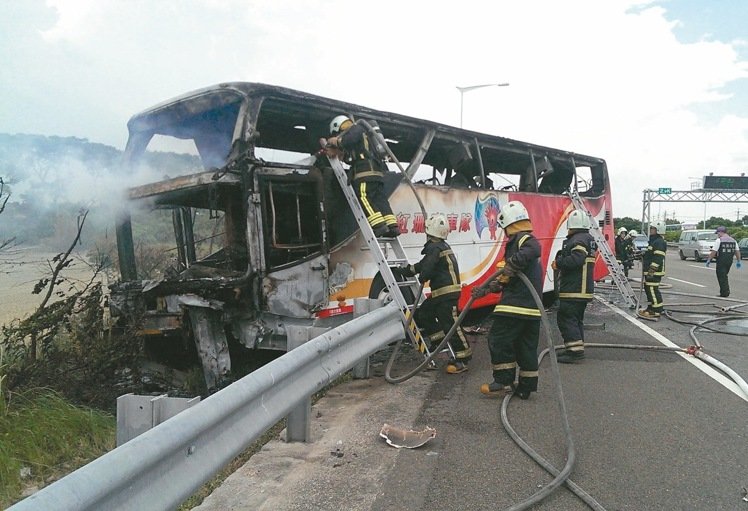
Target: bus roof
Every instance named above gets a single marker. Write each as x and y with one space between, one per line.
291 120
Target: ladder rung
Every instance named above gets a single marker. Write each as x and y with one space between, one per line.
396 262
406 283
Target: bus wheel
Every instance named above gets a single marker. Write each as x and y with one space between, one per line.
378 289
681 255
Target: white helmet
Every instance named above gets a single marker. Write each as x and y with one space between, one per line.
659 225
622 230
633 233
336 125
513 211
577 220
437 226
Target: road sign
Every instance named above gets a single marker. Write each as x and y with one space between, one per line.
665 191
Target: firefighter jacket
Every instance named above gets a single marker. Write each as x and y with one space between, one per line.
624 247
725 247
360 155
576 262
522 254
653 258
439 266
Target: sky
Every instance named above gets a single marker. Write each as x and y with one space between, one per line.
659 89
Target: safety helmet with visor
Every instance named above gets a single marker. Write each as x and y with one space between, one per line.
513 211
577 220
437 226
659 225
340 123
622 230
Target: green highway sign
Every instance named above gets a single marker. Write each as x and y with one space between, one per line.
665 191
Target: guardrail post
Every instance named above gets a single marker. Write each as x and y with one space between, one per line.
298 421
363 306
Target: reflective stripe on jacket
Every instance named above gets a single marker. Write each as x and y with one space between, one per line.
576 262
523 253
439 266
654 256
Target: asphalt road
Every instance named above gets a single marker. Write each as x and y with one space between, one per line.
651 430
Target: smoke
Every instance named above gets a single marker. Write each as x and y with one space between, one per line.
51 179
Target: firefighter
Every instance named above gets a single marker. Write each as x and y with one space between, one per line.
725 248
514 333
367 173
653 261
438 312
624 249
575 262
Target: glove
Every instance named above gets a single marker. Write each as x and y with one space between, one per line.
478 292
509 269
708 262
738 264
651 272
495 286
407 270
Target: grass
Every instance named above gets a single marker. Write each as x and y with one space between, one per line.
44 438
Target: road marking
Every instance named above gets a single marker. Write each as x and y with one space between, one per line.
699 266
686 282
699 364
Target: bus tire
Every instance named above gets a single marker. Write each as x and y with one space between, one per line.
378 289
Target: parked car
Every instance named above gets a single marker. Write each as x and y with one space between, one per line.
743 247
696 243
640 242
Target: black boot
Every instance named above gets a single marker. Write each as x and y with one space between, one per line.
569 357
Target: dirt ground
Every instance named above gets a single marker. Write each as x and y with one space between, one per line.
17 281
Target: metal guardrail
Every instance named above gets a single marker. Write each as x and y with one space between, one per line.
161 468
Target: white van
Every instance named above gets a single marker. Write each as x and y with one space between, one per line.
696 243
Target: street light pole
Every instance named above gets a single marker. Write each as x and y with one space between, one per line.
468 88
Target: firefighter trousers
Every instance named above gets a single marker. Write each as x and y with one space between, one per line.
513 342
570 320
652 289
436 317
374 203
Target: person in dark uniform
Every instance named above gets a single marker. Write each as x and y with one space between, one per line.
513 337
367 173
438 313
575 263
653 261
624 249
725 248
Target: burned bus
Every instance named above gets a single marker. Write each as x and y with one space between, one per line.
257 240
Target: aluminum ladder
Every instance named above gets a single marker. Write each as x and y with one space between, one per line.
378 249
615 269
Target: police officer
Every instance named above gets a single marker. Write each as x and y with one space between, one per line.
367 169
725 248
513 337
438 312
653 262
575 262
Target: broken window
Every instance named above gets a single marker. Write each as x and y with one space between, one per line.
292 219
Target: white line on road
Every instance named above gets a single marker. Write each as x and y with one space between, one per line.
700 266
686 282
699 364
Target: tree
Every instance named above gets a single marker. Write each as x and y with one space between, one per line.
7 244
